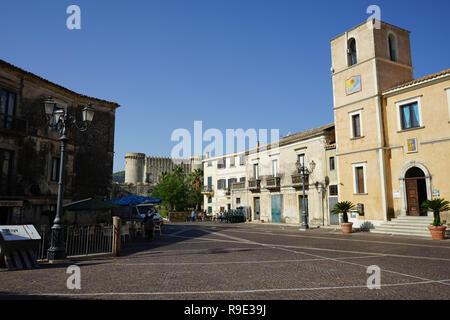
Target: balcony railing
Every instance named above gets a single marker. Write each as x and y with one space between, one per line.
273 182
254 184
238 185
13 124
297 181
208 189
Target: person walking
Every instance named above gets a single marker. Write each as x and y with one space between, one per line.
193 216
148 225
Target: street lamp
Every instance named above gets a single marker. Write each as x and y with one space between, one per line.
59 120
304 171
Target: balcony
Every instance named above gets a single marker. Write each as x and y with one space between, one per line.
12 124
297 181
273 183
208 190
254 184
238 185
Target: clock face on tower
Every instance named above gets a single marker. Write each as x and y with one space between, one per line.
353 85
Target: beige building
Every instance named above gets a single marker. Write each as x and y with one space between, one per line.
392 132
266 181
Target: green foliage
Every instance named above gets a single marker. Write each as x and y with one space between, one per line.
119 176
178 191
343 207
437 205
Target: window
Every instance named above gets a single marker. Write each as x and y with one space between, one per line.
7 108
392 47
55 169
275 168
359 181
356 125
409 116
351 52
332 167
221 184
242 160
6 166
231 181
221 163
333 190
238 200
242 179
232 160
301 159
255 171
209 200
210 164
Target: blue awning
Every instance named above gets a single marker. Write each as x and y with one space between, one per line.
133 200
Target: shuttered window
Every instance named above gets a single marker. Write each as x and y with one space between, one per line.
356 124
359 176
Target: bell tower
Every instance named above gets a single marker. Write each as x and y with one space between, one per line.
366 60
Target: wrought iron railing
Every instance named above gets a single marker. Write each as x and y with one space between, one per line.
238 185
297 180
254 184
273 182
79 240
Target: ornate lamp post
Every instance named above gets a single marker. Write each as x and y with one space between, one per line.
59 120
304 172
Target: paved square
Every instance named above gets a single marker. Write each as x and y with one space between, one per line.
249 261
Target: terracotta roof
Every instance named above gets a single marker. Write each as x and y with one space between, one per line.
419 80
305 134
4 64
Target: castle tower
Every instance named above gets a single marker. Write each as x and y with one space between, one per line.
134 168
366 60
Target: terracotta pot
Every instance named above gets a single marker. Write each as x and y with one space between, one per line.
437 232
347 227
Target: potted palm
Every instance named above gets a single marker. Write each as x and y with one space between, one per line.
344 207
437 228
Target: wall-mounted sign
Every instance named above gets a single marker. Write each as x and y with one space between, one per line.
353 85
396 194
436 193
15 233
411 145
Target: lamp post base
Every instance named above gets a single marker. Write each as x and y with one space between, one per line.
56 255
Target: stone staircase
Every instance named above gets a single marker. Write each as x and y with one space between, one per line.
406 226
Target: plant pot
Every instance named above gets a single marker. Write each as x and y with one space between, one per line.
347 227
437 232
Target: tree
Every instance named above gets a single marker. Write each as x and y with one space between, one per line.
195 181
172 190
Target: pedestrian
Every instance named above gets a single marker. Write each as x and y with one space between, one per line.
148 225
193 216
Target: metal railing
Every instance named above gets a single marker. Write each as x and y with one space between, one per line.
79 240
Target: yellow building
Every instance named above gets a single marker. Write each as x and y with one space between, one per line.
392 132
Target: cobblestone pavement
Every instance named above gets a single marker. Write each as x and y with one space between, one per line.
248 261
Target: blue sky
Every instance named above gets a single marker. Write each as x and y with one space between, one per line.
229 63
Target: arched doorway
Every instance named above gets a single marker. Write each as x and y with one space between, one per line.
416 191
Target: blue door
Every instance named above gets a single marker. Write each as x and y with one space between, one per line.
276 208
334 218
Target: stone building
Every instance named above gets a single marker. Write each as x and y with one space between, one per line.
392 131
30 150
142 172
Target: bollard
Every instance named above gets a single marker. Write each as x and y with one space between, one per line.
117 226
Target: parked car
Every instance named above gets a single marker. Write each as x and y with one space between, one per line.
143 208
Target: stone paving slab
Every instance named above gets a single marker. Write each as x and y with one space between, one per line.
200 261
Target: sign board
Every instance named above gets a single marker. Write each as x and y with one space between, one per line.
19 233
436 193
396 194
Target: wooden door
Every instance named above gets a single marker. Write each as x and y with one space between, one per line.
412 196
